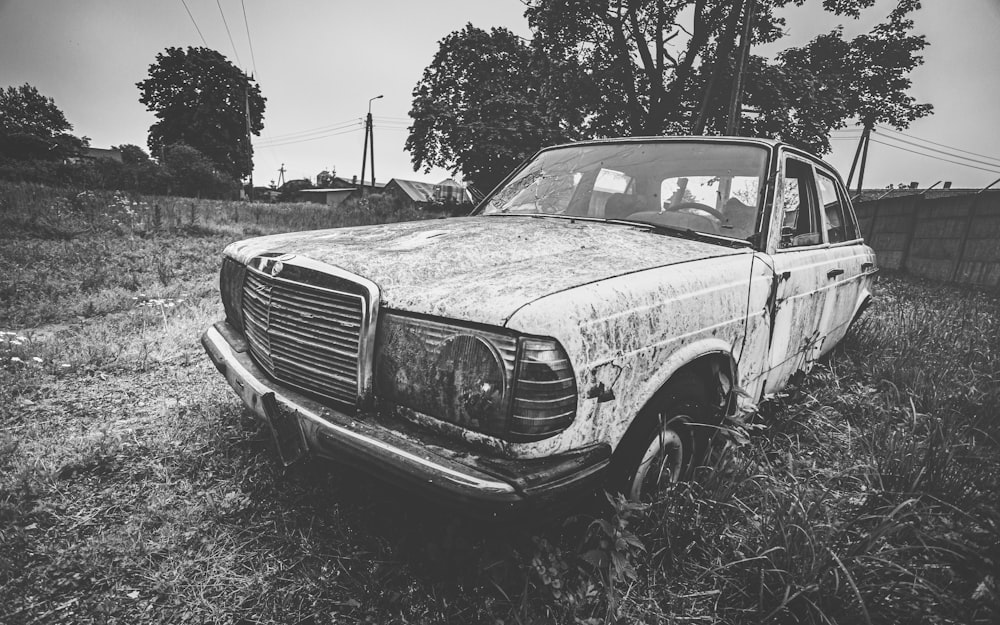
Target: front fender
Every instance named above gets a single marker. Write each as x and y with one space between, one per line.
628 335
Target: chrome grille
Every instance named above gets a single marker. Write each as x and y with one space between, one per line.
306 336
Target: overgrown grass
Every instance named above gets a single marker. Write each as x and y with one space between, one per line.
70 255
134 488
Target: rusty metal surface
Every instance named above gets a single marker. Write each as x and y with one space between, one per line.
482 269
630 334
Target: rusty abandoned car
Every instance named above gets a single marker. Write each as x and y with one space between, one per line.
586 327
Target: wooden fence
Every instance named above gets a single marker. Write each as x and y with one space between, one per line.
954 238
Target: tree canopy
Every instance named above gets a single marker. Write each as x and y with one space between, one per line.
24 110
201 100
474 94
602 68
33 127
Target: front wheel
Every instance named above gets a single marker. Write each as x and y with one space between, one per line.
662 447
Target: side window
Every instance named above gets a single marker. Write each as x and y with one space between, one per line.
836 223
800 225
851 229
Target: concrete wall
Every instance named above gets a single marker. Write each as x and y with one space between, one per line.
955 238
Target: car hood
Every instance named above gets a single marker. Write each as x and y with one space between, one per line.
482 269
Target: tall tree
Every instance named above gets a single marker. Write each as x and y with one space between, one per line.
24 110
814 89
479 108
201 100
33 127
651 67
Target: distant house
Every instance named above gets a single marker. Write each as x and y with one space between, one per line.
451 192
338 182
97 154
331 197
264 194
106 154
425 194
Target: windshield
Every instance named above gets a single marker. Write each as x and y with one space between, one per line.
707 187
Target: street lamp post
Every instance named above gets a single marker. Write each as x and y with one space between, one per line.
364 155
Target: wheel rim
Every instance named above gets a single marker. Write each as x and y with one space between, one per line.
661 464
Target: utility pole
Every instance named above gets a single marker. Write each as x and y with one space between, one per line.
864 158
364 155
861 152
281 175
721 58
736 97
246 103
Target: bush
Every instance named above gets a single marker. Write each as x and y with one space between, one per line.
186 173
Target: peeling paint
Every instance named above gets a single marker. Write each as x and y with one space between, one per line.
630 333
482 269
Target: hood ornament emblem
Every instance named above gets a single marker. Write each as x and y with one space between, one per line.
278 265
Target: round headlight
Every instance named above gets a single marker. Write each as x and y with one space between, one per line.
472 378
231 286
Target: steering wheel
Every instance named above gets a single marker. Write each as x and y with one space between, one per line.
705 208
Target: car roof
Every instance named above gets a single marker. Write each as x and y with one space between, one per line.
770 143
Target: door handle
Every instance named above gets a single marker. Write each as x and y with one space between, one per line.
833 273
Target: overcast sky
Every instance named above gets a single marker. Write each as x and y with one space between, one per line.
318 63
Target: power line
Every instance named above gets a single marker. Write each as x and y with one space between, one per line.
334 134
937 158
249 40
222 13
309 137
993 158
309 131
930 149
205 43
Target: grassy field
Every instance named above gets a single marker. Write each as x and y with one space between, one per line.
134 488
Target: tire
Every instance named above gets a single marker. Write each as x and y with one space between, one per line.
664 444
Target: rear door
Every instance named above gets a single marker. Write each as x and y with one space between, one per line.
850 259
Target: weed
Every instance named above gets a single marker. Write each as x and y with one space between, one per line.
94 281
613 550
164 271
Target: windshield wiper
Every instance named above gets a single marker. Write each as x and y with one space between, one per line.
686 233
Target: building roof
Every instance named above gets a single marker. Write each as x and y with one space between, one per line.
345 190
417 191
112 154
354 181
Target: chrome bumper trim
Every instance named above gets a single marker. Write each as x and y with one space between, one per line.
239 372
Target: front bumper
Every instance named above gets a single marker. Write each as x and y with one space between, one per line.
405 456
